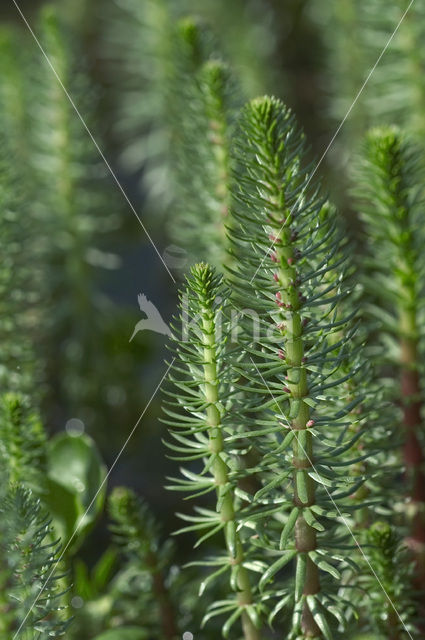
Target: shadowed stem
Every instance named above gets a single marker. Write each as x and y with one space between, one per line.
412 423
160 591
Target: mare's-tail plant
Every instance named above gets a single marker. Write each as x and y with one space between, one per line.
289 268
74 212
17 292
31 598
203 196
19 282
137 536
396 89
200 417
390 196
391 607
141 44
289 263
192 102
22 442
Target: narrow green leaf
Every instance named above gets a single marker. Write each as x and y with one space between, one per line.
253 615
319 617
276 566
320 479
230 533
231 621
300 575
280 605
287 529
325 566
269 486
211 578
311 520
302 489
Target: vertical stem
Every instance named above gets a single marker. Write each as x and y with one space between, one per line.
304 486
167 613
221 472
412 422
250 632
412 49
215 83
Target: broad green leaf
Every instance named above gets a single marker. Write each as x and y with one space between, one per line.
104 568
76 486
124 633
82 583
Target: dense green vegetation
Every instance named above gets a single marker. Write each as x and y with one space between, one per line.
280 412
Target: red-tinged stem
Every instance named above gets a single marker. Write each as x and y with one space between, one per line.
167 613
413 454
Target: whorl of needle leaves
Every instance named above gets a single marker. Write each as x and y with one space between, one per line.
391 200
356 34
204 166
199 414
148 565
178 104
392 608
30 586
290 266
135 530
22 441
19 282
390 197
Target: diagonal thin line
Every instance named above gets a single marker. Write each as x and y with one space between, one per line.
338 510
83 122
94 499
341 124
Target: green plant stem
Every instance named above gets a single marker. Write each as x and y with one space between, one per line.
412 422
304 486
413 51
221 473
214 86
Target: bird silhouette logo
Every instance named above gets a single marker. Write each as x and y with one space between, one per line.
153 321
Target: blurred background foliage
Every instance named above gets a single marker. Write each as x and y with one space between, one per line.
125 65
